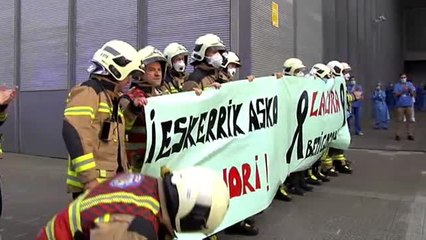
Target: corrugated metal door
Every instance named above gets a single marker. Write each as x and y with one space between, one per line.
270 45
7 42
183 21
98 23
44 45
309 32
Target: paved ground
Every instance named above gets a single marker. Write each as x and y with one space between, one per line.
385 198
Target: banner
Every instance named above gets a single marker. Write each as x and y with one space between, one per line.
252 133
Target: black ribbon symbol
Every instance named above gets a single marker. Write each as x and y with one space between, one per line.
302 113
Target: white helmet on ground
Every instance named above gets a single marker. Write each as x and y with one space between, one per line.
320 70
174 49
336 68
117 58
291 65
203 43
197 199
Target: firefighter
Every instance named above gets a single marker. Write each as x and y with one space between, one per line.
177 59
295 182
133 206
207 60
231 62
322 72
335 159
148 85
93 126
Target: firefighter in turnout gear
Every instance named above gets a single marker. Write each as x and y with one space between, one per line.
137 207
177 60
207 60
231 62
322 72
147 85
93 126
295 182
335 161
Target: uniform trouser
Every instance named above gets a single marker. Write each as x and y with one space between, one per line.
406 112
337 155
326 161
357 119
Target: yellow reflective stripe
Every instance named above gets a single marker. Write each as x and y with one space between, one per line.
339 157
83 163
100 180
82 158
122 197
102 173
50 229
104 219
79 108
135 146
79 111
3 116
74 181
104 105
74 214
102 110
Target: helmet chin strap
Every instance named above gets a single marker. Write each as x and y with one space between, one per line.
164 216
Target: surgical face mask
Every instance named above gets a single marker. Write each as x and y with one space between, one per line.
353 82
232 71
179 66
300 74
403 80
347 76
215 60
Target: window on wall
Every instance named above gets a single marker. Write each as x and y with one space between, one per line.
99 23
44 45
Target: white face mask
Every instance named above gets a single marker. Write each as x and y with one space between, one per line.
403 80
353 82
232 71
300 74
347 76
179 66
215 60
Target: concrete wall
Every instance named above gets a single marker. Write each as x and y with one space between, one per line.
353 32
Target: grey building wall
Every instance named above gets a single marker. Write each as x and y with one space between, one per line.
166 25
98 23
415 34
354 33
309 31
7 68
270 46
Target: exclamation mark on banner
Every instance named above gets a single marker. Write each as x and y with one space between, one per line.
257 174
267 171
